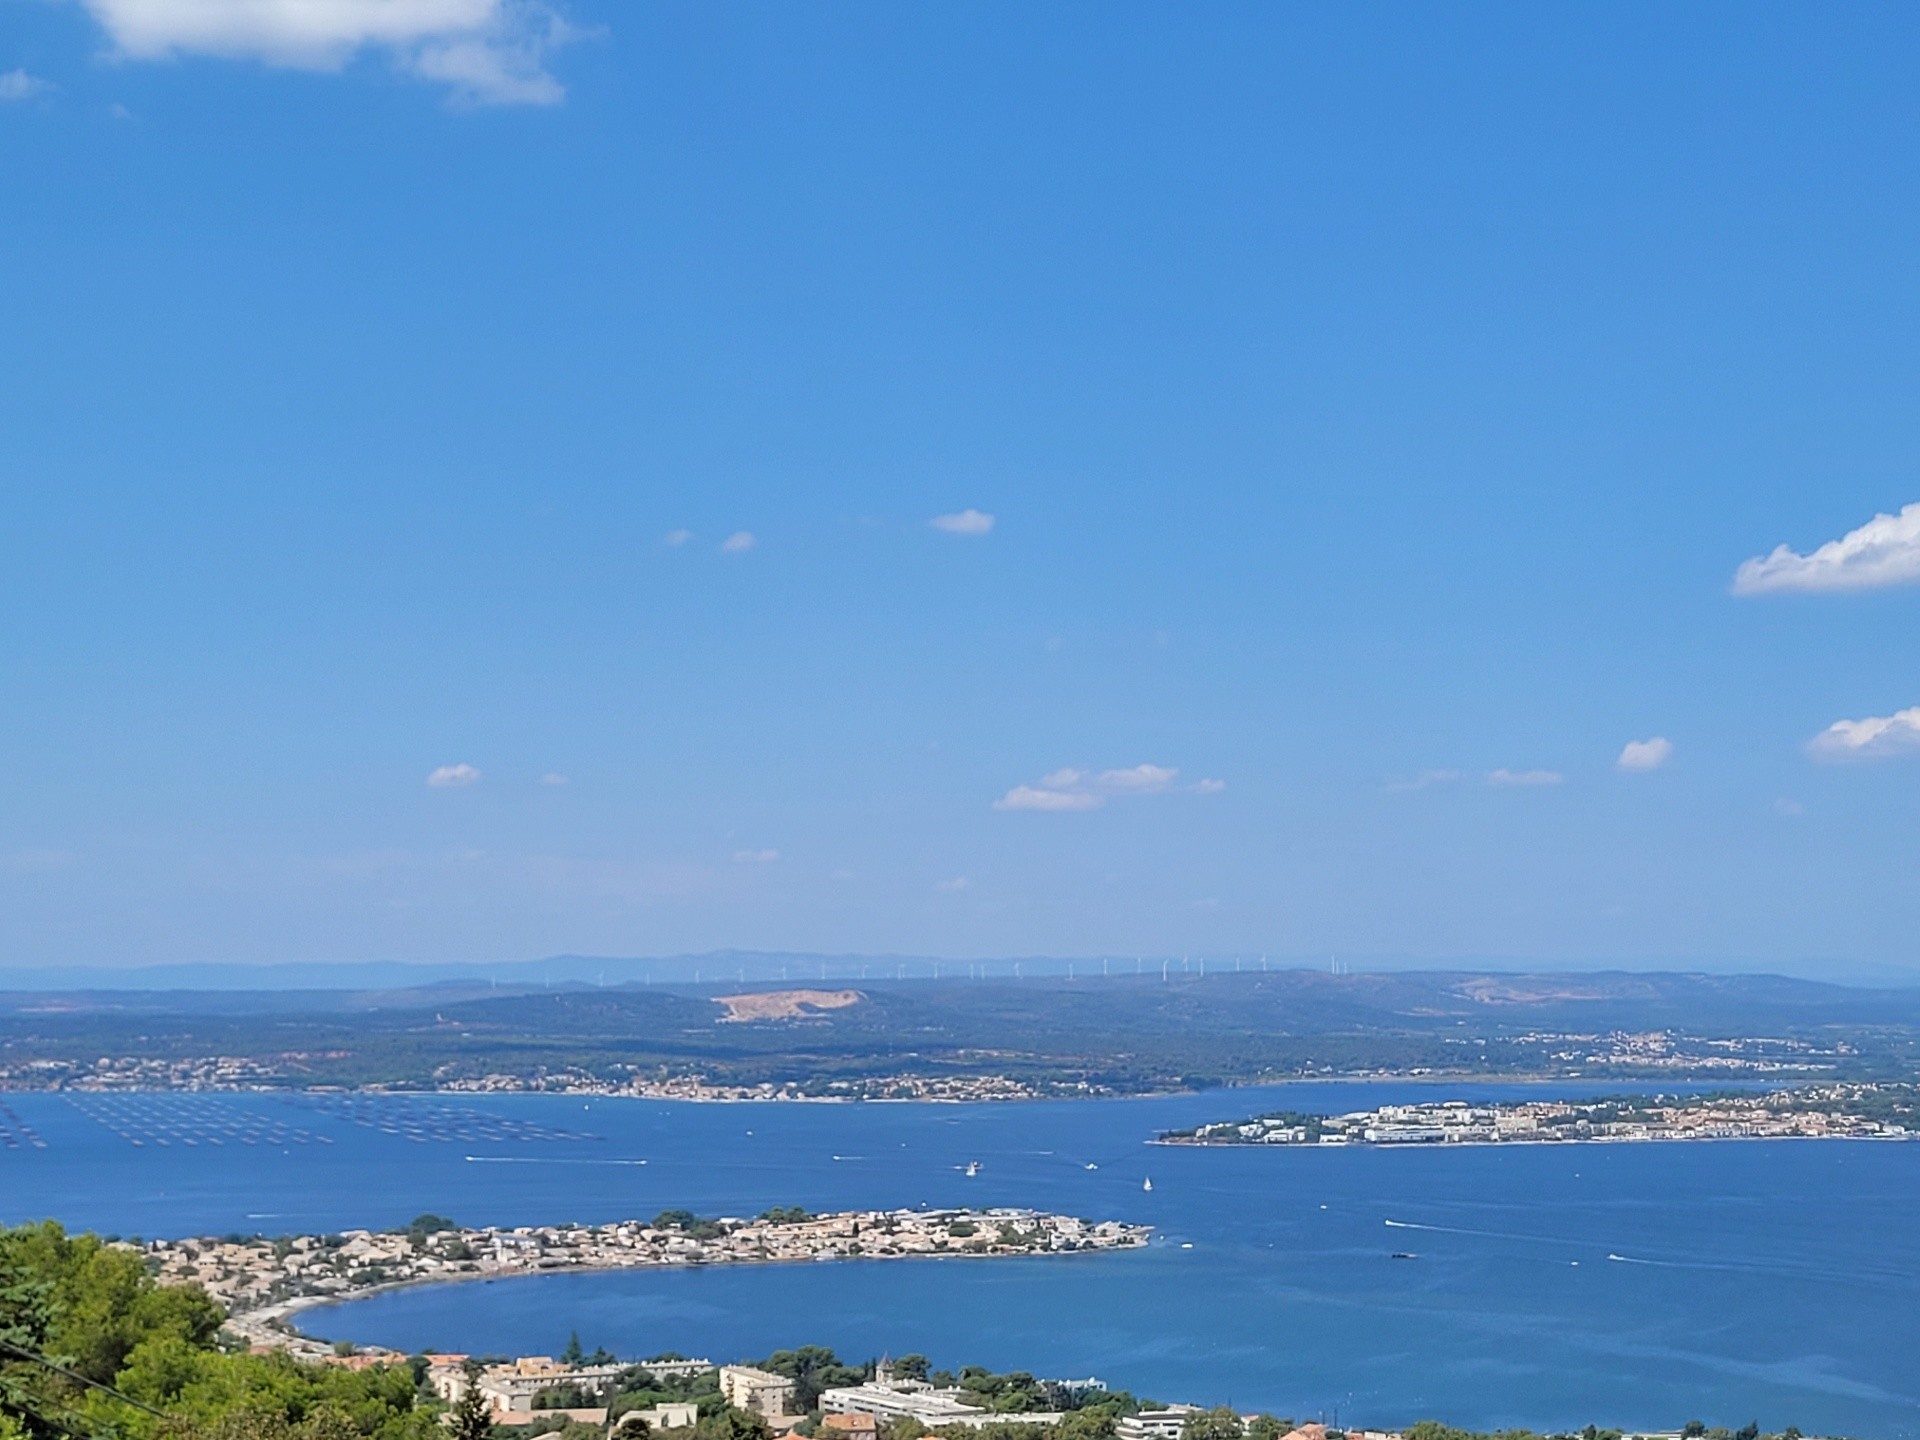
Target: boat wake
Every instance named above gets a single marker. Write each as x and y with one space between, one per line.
541 1160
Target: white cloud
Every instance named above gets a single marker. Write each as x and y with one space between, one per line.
755 857
964 522
674 539
1878 737
1071 789
738 543
1645 754
1140 780
490 52
553 777
448 777
956 884
1884 551
19 85
1524 777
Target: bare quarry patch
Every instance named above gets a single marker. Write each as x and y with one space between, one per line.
784 1004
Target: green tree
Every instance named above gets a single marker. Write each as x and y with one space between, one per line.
732 1424
812 1368
1220 1424
573 1356
471 1417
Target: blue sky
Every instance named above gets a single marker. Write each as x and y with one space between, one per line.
1373 404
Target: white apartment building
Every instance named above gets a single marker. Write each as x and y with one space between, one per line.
668 1415
1155 1424
893 1399
760 1391
511 1387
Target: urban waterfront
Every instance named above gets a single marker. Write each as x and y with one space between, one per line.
1636 1285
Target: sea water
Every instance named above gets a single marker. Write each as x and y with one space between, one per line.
1549 1286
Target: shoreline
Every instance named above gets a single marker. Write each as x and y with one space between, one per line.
301 1303
1515 1144
1261 1083
242 1274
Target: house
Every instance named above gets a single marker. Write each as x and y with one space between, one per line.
858 1425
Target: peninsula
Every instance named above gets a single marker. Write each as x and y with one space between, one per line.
261 1281
1842 1112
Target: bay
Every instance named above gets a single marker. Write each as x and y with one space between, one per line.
1625 1284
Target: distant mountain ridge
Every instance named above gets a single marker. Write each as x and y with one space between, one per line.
719 967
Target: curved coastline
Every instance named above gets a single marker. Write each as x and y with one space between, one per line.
244 1274
282 1310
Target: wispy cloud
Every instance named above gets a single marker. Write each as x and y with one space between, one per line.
19 85
1878 737
674 539
1884 551
451 777
1524 777
964 522
1424 780
953 886
1034 797
489 52
738 543
1650 754
1072 789
1138 780
755 857
553 777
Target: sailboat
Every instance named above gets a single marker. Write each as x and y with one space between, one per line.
973 1168
1147 1184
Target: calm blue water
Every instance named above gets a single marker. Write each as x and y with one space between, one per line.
1769 1281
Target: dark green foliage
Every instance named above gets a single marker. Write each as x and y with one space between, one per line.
92 1310
471 1417
689 1224
812 1368
731 1424
1220 1424
1123 1034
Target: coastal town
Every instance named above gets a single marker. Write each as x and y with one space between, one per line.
262 1282
1848 1112
974 1073
881 1399
294 1073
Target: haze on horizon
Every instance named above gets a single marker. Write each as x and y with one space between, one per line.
509 480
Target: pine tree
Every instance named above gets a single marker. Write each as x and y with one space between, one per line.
472 1416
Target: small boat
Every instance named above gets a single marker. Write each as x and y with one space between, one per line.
1092 1166
973 1168
1147 1184
1405 1255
